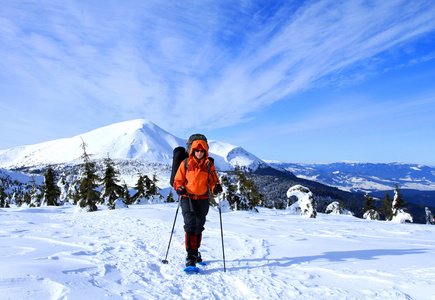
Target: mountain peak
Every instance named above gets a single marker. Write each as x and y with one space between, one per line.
138 138
135 139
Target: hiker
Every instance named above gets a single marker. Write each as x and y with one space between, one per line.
192 183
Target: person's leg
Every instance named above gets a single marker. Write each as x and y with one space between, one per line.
201 208
189 216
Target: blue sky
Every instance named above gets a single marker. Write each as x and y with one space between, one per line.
296 81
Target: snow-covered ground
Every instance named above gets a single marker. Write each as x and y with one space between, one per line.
52 253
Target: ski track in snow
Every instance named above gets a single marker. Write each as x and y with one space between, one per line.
51 253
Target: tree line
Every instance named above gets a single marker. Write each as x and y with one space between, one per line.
391 208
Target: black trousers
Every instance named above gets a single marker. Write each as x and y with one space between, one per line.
194 214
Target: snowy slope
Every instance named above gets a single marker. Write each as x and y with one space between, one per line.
51 253
136 139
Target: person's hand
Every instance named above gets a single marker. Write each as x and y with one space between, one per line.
181 191
217 189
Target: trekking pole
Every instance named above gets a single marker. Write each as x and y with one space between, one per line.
222 232
165 261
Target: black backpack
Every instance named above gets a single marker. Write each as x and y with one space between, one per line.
181 154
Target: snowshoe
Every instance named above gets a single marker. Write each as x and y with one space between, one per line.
191 263
190 270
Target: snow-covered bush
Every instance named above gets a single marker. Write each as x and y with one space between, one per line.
371 214
336 208
306 202
402 217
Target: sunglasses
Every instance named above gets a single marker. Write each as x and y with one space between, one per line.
197 150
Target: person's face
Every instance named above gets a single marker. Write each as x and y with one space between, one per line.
199 153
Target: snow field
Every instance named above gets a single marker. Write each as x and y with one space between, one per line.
51 253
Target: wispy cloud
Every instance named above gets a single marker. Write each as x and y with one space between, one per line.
189 64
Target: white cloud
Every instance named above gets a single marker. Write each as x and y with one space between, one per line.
191 64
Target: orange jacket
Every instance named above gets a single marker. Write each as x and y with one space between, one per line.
197 180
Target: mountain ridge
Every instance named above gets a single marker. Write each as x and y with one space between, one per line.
365 177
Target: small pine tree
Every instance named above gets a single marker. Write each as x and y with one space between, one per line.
230 189
27 198
18 198
255 197
150 187
73 193
398 202
51 192
370 209
398 208
241 191
140 189
126 194
170 197
111 189
386 208
87 194
63 186
429 217
35 194
368 205
3 196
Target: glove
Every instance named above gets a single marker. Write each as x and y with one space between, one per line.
217 189
181 191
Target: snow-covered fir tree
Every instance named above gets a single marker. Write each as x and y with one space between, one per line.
387 209
370 212
126 194
336 208
16 199
398 208
50 191
147 190
240 191
26 199
306 203
111 191
63 186
429 217
152 192
73 192
4 201
170 197
139 196
88 195
35 194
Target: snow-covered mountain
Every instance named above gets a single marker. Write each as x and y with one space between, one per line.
136 139
365 177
